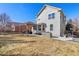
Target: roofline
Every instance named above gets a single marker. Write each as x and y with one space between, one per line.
53 7
41 10
44 7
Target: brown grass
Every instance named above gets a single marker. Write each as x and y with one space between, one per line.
28 45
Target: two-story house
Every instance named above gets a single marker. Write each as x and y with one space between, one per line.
51 19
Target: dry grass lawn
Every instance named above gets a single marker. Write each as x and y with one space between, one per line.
27 45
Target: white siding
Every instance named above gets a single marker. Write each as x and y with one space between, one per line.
56 21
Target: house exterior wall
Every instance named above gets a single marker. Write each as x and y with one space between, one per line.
43 18
21 27
13 27
62 24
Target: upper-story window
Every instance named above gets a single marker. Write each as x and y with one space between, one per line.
51 16
38 19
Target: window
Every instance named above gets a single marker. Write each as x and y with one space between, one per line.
39 27
51 27
50 16
38 19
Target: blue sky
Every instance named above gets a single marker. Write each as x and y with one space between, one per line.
23 12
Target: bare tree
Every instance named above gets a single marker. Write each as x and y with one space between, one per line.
76 22
4 21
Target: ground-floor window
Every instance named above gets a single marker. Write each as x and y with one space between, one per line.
39 27
51 27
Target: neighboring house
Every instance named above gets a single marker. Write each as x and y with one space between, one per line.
51 19
22 27
15 26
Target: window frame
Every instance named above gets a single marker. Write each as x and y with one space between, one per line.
51 16
51 27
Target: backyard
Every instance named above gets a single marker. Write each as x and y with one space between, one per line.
34 45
